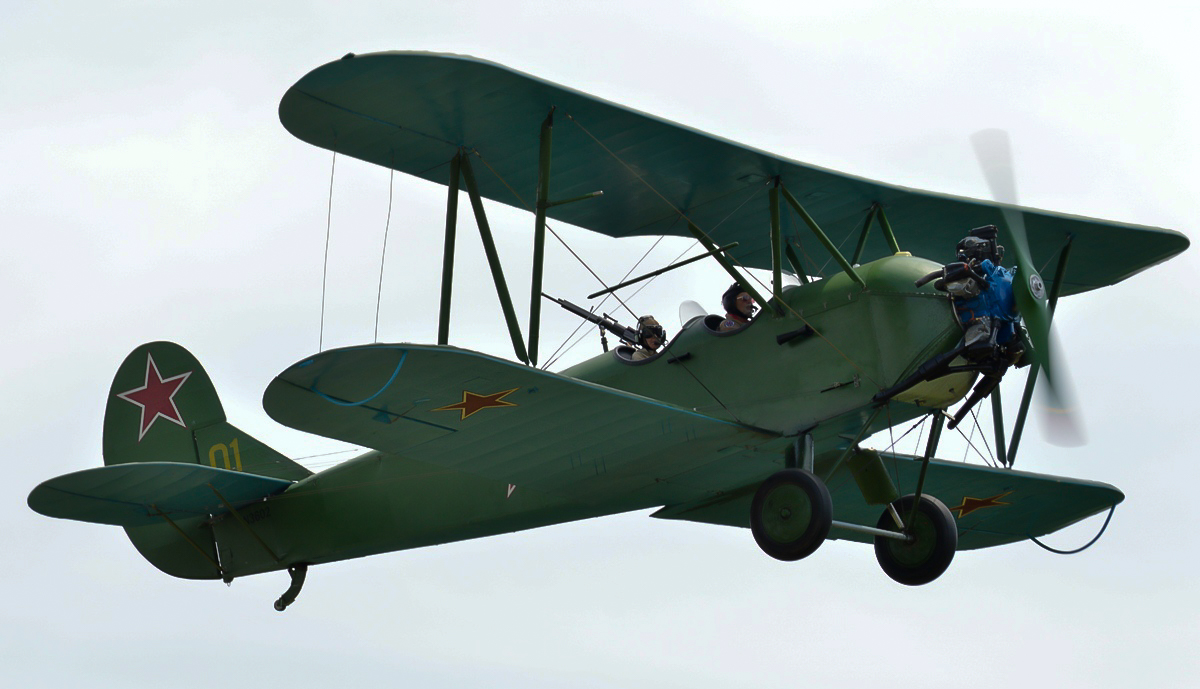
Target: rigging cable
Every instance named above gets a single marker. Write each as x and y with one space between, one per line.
920 434
323 463
983 436
550 360
1055 255
325 268
548 228
679 213
647 283
383 255
912 428
672 206
520 199
971 445
892 436
613 294
804 252
851 233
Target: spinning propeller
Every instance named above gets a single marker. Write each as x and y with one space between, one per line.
995 158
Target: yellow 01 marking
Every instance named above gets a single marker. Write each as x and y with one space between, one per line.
224 451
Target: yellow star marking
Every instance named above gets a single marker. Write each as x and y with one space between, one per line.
969 505
472 402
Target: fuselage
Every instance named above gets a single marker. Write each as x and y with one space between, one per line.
864 339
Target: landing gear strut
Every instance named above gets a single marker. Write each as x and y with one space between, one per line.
298 573
791 514
927 551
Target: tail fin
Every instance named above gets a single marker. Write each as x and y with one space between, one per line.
163 408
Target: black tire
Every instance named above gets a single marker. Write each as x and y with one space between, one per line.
935 538
791 514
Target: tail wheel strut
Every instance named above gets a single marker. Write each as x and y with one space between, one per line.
297 573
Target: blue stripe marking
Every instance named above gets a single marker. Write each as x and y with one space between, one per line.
377 394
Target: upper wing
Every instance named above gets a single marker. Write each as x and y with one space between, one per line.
478 414
412 110
991 506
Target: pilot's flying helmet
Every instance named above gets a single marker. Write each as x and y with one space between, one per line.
980 243
729 299
649 327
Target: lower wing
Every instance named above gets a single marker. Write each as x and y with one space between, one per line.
991 506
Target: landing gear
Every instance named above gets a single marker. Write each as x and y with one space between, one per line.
298 573
929 548
791 514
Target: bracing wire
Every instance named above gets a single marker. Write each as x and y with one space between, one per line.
813 261
750 197
549 229
970 445
655 191
911 428
892 436
851 233
383 254
920 434
325 454
967 451
325 268
983 437
550 360
323 463
681 213
589 269
556 355
573 341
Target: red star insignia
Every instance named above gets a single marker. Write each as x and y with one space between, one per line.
472 403
969 505
156 397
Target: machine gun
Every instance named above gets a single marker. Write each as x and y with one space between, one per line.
605 321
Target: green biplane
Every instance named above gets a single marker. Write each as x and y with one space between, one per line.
759 427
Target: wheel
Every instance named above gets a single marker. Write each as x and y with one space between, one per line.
934 539
791 514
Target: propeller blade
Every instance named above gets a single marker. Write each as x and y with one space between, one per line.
994 153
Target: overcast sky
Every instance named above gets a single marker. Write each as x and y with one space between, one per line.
150 193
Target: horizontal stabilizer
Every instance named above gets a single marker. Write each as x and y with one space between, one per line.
141 493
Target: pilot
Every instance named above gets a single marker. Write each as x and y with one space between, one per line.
650 336
739 308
